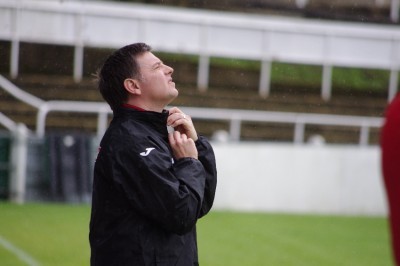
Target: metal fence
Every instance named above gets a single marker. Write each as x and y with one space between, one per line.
234 116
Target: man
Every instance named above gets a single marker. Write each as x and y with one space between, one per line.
149 187
390 144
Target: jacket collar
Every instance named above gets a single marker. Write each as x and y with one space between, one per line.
155 119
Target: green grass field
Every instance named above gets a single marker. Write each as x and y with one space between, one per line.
57 234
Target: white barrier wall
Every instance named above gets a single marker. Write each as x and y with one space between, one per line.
326 179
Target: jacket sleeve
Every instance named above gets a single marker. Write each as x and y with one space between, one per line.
170 194
207 159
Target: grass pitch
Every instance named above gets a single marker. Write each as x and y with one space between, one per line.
57 234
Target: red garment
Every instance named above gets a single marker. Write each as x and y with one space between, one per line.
390 144
127 105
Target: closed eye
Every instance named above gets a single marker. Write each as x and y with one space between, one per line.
157 65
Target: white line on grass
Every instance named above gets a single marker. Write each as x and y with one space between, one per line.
18 252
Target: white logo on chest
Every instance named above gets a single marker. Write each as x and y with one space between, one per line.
147 152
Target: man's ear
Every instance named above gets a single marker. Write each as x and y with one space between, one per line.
132 86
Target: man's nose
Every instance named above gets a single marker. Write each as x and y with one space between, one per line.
169 70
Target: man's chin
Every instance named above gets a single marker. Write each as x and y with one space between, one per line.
175 92
173 96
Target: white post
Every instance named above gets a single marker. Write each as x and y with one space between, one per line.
235 128
265 79
299 129
19 164
204 61
394 10
14 59
202 76
102 124
393 81
78 52
326 82
364 135
78 63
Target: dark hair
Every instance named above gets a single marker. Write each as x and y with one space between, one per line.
119 66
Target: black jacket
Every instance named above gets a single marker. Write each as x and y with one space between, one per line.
145 205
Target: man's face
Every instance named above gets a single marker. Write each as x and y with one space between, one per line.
155 81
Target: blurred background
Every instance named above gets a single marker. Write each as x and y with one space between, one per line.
291 93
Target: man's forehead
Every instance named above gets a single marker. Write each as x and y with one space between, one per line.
148 59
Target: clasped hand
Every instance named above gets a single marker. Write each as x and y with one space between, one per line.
183 138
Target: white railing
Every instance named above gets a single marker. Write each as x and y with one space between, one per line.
102 109
20 94
300 120
204 33
7 122
234 116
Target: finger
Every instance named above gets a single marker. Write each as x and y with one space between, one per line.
184 138
174 110
171 139
175 113
177 119
177 137
191 141
172 118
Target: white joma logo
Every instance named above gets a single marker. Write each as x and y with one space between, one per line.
147 152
